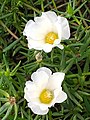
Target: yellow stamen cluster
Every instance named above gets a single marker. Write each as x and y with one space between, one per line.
51 37
46 96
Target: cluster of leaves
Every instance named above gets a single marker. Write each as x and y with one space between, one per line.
17 62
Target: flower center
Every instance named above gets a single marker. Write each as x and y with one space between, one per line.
46 96
51 37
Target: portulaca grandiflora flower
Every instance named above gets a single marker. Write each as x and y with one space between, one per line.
46 31
44 90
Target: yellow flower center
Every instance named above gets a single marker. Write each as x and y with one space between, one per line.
46 96
51 37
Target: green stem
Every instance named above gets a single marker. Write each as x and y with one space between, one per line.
34 9
54 4
76 75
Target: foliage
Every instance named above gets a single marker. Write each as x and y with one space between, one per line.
17 62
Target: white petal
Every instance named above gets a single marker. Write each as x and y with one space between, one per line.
51 16
37 110
59 75
61 97
47 22
30 91
45 69
35 100
29 94
28 26
57 41
57 44
47 47
26 96
64 27
44 24
55 80
42 106
40 79
30 86
59 29
60 46
36 44
34 30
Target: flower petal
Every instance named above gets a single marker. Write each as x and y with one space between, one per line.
47 47
61 97
29 96
44 24
45 69
55 80
36 44
29 25
51 16
37 110
59 29
33 30
47 22
42 106
30 86
57 41
31 91
60 46
40 79
64 27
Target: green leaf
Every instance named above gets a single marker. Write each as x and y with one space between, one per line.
81 34
2 6
3 99
63 62
76 10
16 50
84 93
69 65
80 116
87 104
78 96
4 93
76 102
78 32
48 64
69 10
75 117
71 96
79 68
86 42
4 107
6 63
16 111
54 4
67 91
15 69
88 118
86 66
8 112
5 16
12 45
67 115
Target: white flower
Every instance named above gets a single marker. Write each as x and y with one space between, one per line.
44 90
46 31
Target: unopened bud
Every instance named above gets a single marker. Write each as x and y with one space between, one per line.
38 57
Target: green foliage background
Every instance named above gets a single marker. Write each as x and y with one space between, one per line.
17 62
